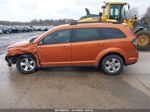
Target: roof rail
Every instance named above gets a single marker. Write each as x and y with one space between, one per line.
75 23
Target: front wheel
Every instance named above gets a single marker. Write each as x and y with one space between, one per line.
112 64
26 65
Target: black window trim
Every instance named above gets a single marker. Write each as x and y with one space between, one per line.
73 35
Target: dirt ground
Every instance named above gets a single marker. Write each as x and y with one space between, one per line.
74 88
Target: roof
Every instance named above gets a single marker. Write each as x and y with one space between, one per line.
89 25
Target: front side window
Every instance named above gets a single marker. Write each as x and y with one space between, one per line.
58 37
86 34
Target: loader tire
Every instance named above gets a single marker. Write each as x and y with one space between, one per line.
143 40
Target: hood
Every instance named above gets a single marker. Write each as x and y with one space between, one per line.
19 44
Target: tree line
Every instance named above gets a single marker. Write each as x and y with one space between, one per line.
40 22
147 16
130 14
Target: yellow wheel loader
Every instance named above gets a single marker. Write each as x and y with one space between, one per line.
116 12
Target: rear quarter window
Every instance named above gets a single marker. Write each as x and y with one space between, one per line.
111 33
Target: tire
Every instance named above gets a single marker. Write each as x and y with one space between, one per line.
26 64
7 32
112 64
143 38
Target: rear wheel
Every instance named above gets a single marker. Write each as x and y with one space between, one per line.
26 65
143 39
112 64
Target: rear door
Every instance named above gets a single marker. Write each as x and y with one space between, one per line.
86 45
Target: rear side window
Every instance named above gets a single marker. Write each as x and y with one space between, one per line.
91 34
111 33
86 34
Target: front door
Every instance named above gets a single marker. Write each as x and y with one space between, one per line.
55 49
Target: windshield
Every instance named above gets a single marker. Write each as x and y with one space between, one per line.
117 12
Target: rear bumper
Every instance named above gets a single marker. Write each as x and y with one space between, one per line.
132 61
133 58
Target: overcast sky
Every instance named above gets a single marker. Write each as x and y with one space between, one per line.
26 10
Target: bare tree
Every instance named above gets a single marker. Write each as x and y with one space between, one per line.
147 14
132 13
146 17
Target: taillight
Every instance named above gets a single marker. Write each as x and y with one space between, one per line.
134 42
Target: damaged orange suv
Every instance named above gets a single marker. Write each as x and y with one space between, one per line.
104 45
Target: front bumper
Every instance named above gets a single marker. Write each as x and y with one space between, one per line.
9 60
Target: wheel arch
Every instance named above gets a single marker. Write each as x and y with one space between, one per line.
15 58
24 69
137 29
113 53
116 51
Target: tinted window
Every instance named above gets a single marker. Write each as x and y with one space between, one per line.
111 33
62 36
91 34
115 12
86 34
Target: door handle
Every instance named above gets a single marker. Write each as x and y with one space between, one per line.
66 46
100 44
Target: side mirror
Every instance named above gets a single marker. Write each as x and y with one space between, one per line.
128 6
100 14
135 17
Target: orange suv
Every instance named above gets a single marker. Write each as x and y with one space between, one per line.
105 45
